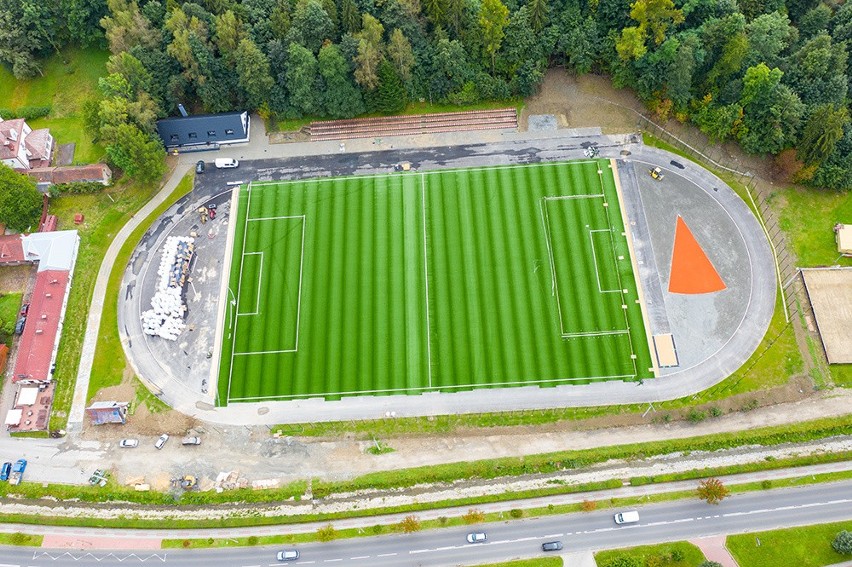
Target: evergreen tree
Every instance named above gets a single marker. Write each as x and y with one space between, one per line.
390 95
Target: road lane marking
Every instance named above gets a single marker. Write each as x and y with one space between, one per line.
8 565
385 554
551 536
413 551
360 557
332 560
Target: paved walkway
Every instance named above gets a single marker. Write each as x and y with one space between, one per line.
714 549
93 323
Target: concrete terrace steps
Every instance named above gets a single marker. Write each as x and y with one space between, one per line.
505 118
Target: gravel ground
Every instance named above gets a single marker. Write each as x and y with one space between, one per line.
369 499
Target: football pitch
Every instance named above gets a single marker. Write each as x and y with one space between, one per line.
430 281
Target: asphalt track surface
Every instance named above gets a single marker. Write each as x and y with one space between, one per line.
733 354
671 521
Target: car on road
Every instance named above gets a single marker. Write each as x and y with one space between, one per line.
19 326
476 537
161 441
191 441
4 472
25 308
128 443
199 166
288 555
630 517
551 546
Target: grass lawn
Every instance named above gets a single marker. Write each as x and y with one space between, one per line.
70 78
808 546
537 562
109 362
400 283
20 539
106 212
10 305
808 216
676 554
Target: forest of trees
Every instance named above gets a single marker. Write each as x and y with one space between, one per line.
770 74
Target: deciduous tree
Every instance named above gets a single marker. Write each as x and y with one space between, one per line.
20 201
712 490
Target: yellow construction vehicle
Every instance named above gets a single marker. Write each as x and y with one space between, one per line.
656 173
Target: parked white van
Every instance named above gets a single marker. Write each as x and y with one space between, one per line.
627 517
226 163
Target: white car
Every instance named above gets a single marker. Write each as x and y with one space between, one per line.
128 443
477 537
288 555
161 441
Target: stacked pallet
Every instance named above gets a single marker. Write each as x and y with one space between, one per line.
506 118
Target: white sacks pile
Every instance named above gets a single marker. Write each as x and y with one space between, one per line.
165 318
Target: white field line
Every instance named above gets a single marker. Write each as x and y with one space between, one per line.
595 334
426 273
259 286
431 172
277 218
568 197
554 290
420 389
595 260
301 267
299 297
239 286
633 356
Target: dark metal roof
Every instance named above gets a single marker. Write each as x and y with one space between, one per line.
202 129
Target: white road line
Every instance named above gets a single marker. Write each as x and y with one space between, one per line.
360 557
551 536
385 554
8 565
413 551
332 560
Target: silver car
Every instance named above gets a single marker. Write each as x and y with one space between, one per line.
288 555
477 537
128 443
161 441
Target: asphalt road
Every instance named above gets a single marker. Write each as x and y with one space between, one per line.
671 521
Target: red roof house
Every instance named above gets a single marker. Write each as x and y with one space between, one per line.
41 331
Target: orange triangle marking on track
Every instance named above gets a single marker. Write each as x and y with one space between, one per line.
692 272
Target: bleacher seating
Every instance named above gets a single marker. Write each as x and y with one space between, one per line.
410 125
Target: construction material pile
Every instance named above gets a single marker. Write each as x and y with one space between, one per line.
165 318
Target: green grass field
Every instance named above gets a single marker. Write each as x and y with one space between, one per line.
436 281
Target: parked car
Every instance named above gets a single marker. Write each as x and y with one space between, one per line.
4 472
25 308
128 443
161 441
626 517
226 163
199 166
288 555
191 441
551 546
18 471
476 537
19 326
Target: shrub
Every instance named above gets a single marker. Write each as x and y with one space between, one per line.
252 540
516 513
842 543
623 561
409 524
77 188
378 528
695 415
715 412
25 112
710 564
678 555
474 516
186 543
588 505
326 533
443 520
766 484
